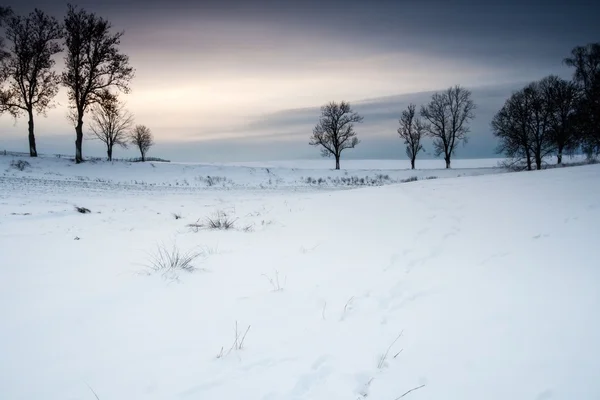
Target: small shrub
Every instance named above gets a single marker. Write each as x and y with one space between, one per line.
20 165
177 216
169 262
82 210
219 221
411 179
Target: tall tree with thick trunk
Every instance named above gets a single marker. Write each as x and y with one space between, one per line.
110 123
93 65
448 116
141 137
32 82
335 131
411 130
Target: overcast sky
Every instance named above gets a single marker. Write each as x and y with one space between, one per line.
243 80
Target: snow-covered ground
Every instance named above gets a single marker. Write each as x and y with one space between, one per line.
465 288
293 175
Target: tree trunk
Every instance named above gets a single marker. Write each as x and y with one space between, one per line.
32 148
109 152
143 157
412 163
337 162
538 161
528 162
559 155
447 158
79 141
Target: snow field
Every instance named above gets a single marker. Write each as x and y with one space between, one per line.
461 288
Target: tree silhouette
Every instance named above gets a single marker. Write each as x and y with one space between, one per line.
335 130
141 137
411 130
448 115
110 123
32 82
586 63
93 65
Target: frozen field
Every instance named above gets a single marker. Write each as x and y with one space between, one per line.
483 286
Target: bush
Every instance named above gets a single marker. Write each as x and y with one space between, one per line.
169 262
82 210
219 221
20 165
411 179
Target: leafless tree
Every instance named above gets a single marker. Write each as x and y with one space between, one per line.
335 130
512 126
32 84
141 137
536 121
561 99
448 115
110 123
586 62
412 130
93 64
540 119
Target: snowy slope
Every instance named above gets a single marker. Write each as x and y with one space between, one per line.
480 287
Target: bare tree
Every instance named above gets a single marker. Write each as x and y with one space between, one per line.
32 82
335 130
93 65
110 123
411 130
561 98
586 62
540 117
141 137
511 125
448 115
536 121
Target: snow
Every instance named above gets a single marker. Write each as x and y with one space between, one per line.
481 287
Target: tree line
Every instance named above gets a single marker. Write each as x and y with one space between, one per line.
95 72
554 116
549 117
445 119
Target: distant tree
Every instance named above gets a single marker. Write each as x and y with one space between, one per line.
448 115
586 62
561 99
93 64
335 130
110 123
540 122
537 121
511 125
28 67
412 131
141 137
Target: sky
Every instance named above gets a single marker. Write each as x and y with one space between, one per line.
243 80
